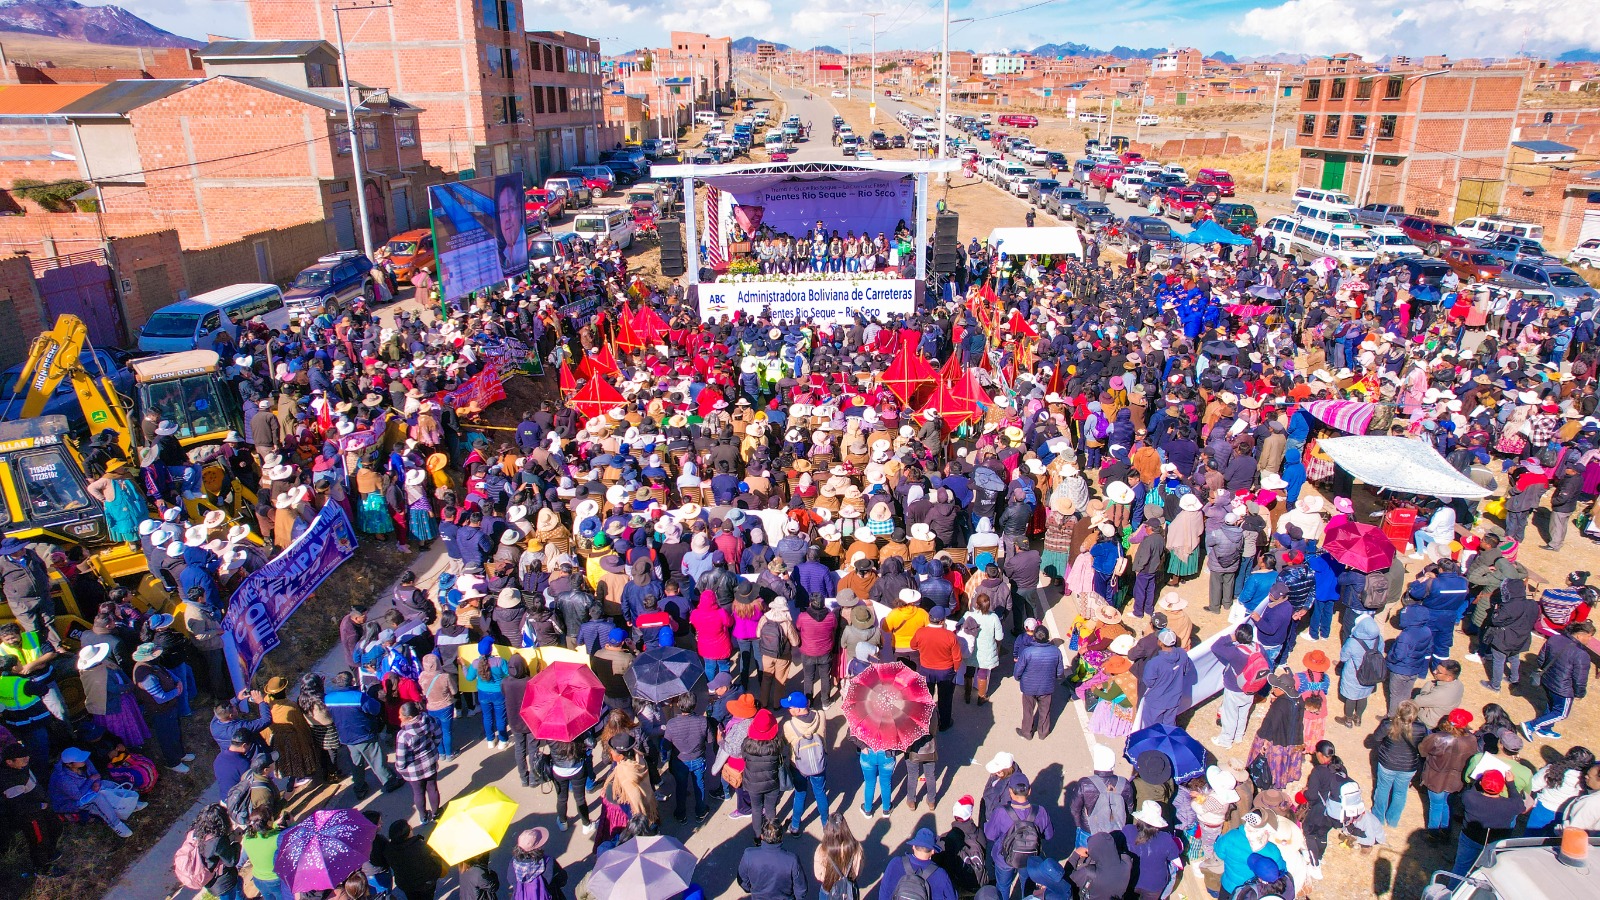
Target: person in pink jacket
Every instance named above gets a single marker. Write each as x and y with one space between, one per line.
819 628
713 631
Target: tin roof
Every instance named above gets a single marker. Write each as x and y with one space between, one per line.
1544 146
122 97
261 49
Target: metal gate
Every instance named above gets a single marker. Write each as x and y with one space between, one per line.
80 284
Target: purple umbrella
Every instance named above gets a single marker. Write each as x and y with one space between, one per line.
320 852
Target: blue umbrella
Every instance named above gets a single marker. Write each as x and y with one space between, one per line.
1264 292
1187 756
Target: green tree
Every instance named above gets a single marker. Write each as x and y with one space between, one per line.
53 196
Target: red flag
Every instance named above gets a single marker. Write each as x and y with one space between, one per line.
953 409
599 364
569 384
652 328
907 374
1020 325
627 337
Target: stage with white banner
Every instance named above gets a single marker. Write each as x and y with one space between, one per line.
821 302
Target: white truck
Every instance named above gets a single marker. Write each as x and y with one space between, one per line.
1523 869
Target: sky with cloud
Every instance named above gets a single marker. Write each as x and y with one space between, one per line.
1373 28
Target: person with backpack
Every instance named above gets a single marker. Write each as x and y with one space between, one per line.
1407 657
1361 668
1103 869
1101 800
767 871
914 875
358 718
965 857
476 880
805 735
533 875
218 853
837 863
415 866
1244 674
776 639
1017 830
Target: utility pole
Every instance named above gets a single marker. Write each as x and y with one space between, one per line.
354 128
1272 122
872 98
1138 116
944 86
849 59
1365 183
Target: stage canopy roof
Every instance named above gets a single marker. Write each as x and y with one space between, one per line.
742 178
1036 241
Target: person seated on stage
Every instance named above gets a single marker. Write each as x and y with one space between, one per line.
835 253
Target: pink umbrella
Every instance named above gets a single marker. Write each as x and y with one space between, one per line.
1361 547
888 706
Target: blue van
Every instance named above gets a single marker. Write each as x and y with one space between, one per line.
192 324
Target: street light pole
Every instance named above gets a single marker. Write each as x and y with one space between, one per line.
872 90
1272 122
849 60
944 83
353 128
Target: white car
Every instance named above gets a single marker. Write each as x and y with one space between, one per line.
1127 187
1175 169
1018 184
1148 119
1391 240
840 94
1277 235
897 96
1586 255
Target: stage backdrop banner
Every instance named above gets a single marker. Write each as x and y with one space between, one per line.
833 302
865 207
270 595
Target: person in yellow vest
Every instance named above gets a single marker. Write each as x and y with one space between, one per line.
23 712
35 655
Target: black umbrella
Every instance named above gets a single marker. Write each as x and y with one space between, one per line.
661 673
1219 348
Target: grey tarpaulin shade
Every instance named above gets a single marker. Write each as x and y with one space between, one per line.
645 868
1400 464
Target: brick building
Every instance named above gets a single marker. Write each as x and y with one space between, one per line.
463 61
35 142
1427 131
567 100
701 57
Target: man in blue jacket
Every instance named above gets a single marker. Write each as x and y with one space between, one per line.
1445 597
918 863
358 719
1564 668
1408 654
1165 682
1038 670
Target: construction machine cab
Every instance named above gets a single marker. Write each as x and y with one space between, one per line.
186 389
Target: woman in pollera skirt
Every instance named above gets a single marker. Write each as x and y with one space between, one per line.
419 509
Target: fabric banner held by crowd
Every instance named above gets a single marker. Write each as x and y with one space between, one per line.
271 594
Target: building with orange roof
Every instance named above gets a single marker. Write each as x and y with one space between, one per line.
35 142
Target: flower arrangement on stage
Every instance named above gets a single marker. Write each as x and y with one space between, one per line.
735 276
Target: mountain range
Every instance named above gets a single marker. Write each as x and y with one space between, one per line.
749 44
73 21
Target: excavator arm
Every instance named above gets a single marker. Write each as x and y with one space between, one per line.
57 356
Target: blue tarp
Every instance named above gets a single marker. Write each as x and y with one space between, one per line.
1209 232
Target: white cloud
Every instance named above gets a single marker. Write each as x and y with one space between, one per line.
193 18
1461 28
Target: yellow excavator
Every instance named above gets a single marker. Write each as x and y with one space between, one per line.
42 472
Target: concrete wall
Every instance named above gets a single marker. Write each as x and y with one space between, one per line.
290 249
21 311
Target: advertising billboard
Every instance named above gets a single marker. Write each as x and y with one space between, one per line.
478 230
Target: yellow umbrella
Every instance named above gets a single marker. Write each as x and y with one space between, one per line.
472 825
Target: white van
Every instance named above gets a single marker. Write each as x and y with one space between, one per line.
1346 243
1326 213
773 140
612 222
1487 228
919 140
1328 198
191 324
1391 240
705 117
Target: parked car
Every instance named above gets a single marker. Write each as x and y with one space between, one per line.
1217 179
1239 218
1487 228
1509 248
1586 254
1105 175
1277 235
1040 189
626 172
570 185
1089 214
779 156
1422 269
1181 203
340 279
1473 263
878 140
1433 237
1568 286
1147 119
1380 214
411 252
839 94
1391 240
1127 187
898 142
1061 199
598 179
1150 230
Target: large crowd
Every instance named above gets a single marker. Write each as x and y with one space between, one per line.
763 495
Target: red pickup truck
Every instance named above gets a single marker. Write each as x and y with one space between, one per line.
1433 237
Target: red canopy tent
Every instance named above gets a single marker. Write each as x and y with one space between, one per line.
652 328
568 382
596 398
599 364
908 374
1019 325
953 409
967 388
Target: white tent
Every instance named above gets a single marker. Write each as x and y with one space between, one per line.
1400 464
1034 241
